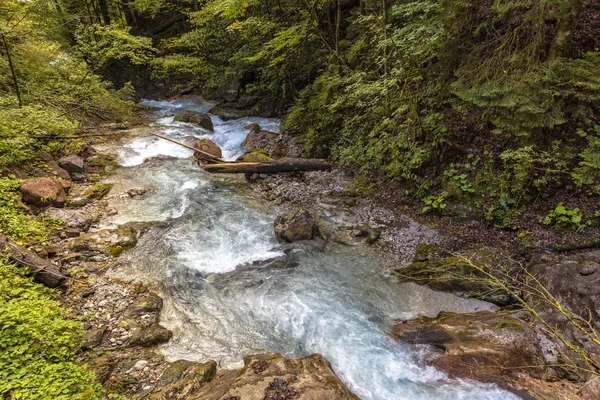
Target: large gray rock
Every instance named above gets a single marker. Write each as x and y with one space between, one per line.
53 165
447 272
259 139
572 297
150 336
77 219
73 164
195 117
42 192
294 227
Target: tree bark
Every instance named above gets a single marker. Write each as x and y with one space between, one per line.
12 70
338 23
103 5
565 26
43 271
283 165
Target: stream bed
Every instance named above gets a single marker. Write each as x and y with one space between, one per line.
231 290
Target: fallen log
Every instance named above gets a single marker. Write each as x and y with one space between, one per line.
282 165
43 271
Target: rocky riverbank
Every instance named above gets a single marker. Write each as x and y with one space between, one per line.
548 351
122 319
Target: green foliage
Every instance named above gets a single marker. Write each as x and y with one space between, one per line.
24 131
563 218
588 171
435 203
410 100
100 45
15 222
38 341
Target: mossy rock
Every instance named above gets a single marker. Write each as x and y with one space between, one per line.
447 272
256 155
150 336
128 241
98 191
370 234
195 117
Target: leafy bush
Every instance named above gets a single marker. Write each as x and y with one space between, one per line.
563 218
435 203
24 131
38 344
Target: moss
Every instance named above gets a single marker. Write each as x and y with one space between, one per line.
370 234
256 155
98 191
128 242
333 383
103 162
512 324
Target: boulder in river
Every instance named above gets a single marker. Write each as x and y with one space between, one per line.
207 146
150 336
259 139
77 219
42 192
227 113
485 346
254 156
299 225
264 376
195 117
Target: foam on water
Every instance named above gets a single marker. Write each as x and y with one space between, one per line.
223 303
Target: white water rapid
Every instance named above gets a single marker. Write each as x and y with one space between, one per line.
224 300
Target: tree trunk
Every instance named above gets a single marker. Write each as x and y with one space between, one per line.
12 70
567 22
103 5
338 22
283 165
43 271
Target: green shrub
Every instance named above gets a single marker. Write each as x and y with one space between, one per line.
435 203
38 341
563 218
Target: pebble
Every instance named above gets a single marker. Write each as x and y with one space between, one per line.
140 365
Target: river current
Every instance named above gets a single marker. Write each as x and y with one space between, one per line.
230 290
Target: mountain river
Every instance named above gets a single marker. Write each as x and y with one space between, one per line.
209 253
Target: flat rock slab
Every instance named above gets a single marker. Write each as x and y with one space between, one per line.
264 376
485 346
77 219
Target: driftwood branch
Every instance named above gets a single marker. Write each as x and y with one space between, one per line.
208 155
283 165
43 271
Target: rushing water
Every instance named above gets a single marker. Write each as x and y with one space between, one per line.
230 291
